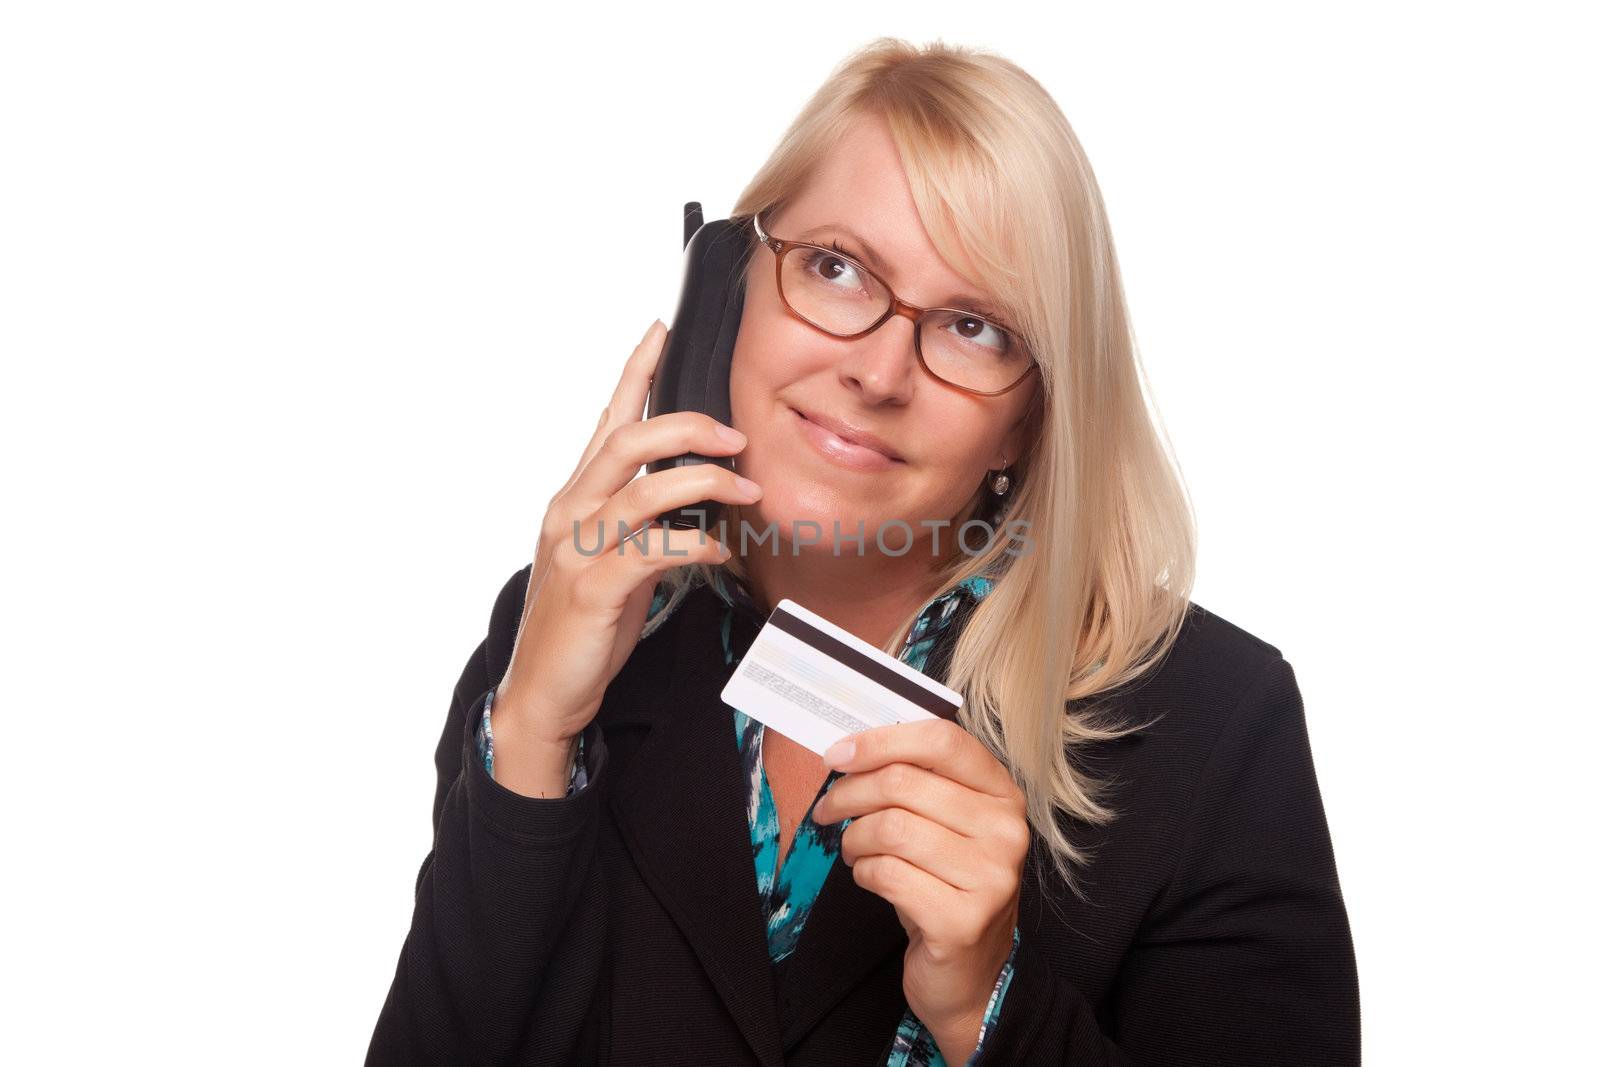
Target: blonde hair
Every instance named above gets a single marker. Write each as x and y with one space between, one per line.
1001 183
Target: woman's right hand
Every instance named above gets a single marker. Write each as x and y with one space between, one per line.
584 610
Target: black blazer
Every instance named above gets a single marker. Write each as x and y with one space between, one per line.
622 925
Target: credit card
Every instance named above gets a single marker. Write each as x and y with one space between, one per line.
815 682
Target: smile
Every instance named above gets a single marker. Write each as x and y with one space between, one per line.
847 453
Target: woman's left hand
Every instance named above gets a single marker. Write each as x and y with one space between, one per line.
938 829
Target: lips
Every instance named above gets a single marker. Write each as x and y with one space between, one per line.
858 451
850 435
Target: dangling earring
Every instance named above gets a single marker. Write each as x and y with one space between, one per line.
1000 483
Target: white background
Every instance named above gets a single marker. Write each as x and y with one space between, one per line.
306 309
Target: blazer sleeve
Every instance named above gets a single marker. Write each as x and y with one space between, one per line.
1246 956
508 928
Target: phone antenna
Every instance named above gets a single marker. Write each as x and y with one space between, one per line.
693 219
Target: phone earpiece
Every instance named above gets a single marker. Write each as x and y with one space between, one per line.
694 370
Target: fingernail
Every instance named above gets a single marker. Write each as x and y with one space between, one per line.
730 435
839 752
650 330
746 485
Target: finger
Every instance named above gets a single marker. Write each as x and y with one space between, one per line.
632 446
632 390
629 399
924 899
637 505
949 857
905 785
937 744
614 577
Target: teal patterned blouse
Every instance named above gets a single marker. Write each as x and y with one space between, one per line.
787 892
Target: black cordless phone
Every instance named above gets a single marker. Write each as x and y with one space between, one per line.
692 374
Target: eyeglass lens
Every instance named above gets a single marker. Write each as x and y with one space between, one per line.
833 293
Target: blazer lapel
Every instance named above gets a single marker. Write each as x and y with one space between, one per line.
849 934
682 815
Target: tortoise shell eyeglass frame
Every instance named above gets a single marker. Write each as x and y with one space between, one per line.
780 248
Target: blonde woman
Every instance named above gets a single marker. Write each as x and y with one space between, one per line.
1119 853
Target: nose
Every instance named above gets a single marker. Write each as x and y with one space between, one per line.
882 366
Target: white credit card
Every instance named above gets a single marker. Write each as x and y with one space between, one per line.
815 682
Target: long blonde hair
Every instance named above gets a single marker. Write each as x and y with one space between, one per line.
1000 182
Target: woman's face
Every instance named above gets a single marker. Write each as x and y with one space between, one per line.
788 377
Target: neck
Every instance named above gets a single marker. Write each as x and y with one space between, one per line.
870 594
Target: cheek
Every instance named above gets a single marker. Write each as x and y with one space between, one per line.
967 434
769 358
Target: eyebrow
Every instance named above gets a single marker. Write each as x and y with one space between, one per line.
963 302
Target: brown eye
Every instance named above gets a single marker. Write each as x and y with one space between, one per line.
980 332
833 269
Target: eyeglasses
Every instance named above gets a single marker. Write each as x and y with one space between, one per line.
830 291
